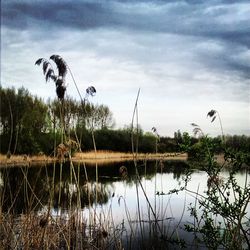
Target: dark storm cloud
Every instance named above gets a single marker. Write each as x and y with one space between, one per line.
220 21
181 17
78 15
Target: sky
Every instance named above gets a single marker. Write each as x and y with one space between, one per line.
186 57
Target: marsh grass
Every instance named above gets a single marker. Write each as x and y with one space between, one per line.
89 157
39 226
70 223
45 228
24 160
119 156
29 230
33 231
53 218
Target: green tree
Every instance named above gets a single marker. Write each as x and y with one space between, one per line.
22 121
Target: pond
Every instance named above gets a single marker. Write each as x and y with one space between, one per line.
107 204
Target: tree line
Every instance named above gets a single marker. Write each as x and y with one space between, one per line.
29 125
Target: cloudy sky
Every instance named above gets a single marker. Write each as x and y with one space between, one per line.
187 57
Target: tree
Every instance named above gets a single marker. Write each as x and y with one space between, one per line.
22 127
98 117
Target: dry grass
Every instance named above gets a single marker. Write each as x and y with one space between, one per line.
24 160
109 156
32 231
87 157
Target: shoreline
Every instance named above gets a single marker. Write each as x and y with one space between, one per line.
87 157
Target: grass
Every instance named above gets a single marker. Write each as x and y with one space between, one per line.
109 156
87 157
47 228
24 160
32 231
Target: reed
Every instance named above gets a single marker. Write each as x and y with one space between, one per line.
88 157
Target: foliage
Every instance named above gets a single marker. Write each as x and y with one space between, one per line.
220 215
22 121
29 125
198 150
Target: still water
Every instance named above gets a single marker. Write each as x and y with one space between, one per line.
110 194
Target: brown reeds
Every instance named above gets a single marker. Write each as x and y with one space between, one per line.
119 156
88 157
24 160
31 231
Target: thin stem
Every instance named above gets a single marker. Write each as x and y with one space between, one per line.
222 132
75 84
11 127
132 123
135 152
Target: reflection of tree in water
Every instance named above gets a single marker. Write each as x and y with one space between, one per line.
69 192
30 188
180 170
22 189
177 168
27 189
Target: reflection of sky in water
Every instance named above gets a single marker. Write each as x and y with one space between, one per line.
171 206
166 205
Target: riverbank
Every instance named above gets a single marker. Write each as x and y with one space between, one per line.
88 157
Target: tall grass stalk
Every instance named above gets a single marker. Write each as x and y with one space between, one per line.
138 178
11 128
135 153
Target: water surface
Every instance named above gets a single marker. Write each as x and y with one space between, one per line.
111 195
